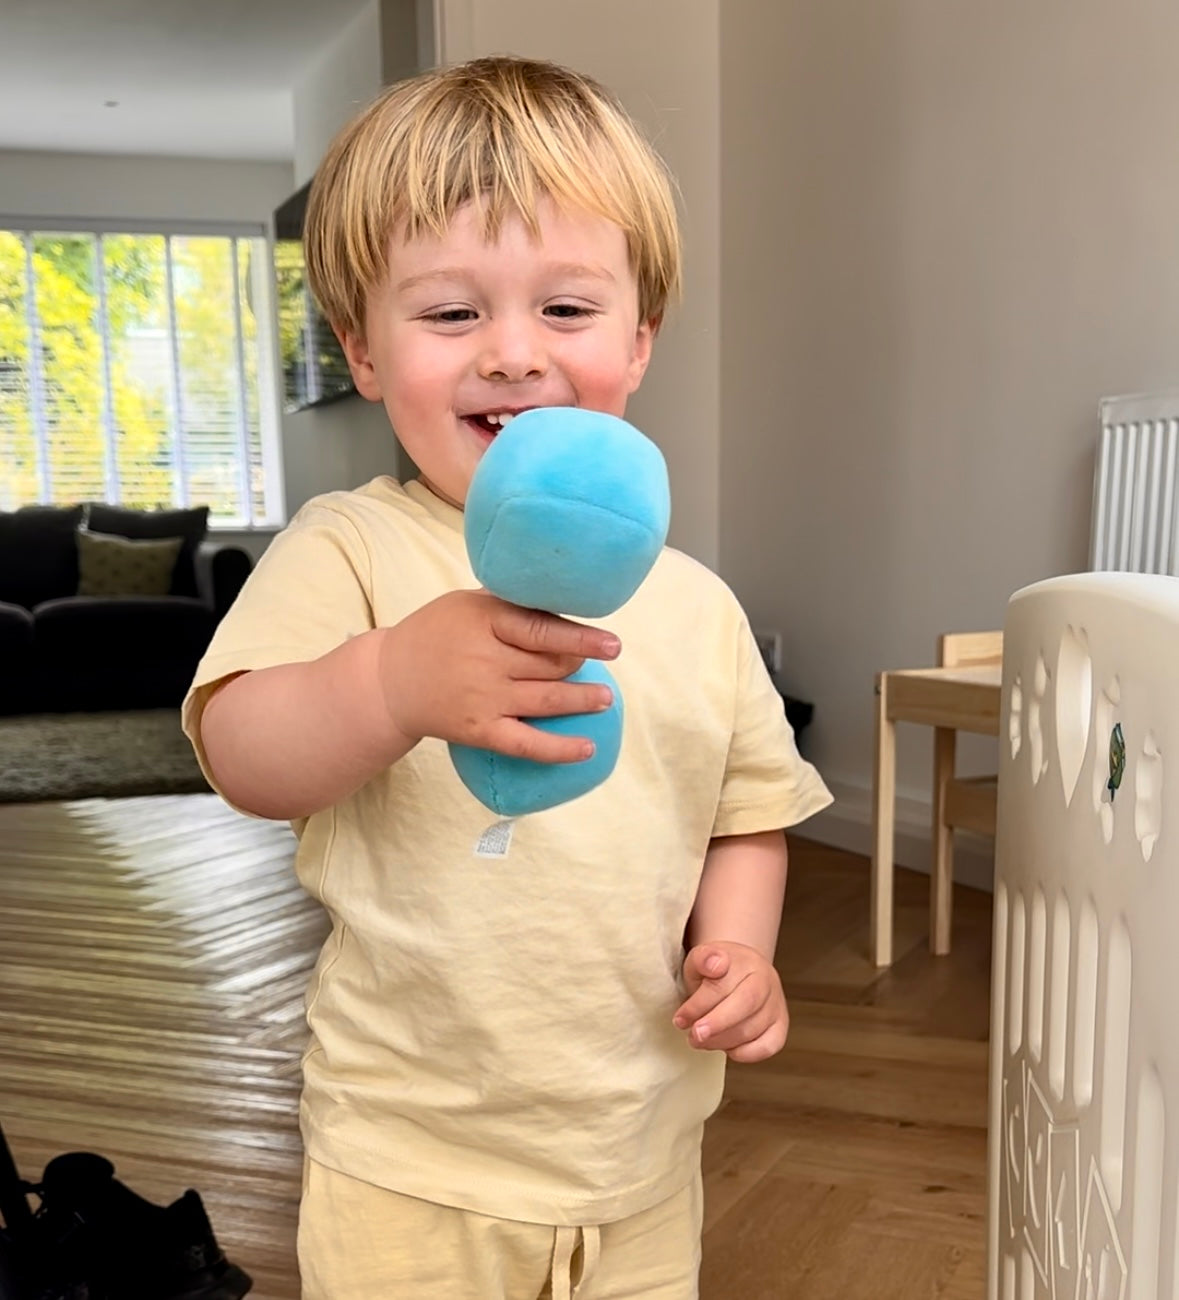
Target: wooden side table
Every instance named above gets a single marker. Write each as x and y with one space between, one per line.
962 696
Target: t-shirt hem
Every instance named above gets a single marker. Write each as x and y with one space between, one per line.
493 1196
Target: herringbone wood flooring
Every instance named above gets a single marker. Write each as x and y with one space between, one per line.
153 955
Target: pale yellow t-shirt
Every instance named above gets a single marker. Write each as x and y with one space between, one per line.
494 1032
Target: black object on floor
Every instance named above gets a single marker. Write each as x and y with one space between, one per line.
92 1238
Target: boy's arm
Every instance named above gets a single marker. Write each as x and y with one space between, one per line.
735 1002
288 741
741 891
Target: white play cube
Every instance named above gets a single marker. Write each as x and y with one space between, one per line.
1084 1086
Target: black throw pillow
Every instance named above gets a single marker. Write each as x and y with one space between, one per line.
38 554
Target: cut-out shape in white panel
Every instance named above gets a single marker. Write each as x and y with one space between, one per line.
1147 1221
1018 959
1064 1172
1002 930
1035 720
1037 957
1105 716
1085 1005
1008 1291
1015 716
1058 986
1148 795
1015 1136
1036 1180
1027 1276
1103 1262
1074 707
1115 1061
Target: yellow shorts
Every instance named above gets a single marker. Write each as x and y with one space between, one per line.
361 1242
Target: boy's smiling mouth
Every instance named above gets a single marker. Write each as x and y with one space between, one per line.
489 423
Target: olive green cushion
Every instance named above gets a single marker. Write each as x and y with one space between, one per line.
109 565
141 525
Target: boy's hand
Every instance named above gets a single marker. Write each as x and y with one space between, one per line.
735 1004
468 666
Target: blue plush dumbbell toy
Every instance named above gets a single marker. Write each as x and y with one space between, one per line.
567 512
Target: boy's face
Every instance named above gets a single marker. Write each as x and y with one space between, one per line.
463 331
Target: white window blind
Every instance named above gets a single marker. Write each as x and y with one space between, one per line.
137 367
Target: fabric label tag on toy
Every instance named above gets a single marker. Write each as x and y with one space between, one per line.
495 841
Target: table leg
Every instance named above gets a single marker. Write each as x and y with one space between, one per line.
883 812
941 878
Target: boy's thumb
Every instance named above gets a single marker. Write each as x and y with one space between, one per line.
708 962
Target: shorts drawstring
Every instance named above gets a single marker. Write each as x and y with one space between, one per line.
565 1243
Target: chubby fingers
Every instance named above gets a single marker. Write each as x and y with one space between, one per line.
735 1007
753 1028
704 973
763 1046
566 643
513 736
706 961
712 1013
706 998
517 739
549 699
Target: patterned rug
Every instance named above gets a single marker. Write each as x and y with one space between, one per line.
95 756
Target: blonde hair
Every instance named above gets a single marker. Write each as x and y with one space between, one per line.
503 133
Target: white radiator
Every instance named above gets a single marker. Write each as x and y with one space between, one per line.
1135 526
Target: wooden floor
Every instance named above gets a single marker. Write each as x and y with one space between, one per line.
153 954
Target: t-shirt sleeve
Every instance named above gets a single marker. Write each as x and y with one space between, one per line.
308 594
767 784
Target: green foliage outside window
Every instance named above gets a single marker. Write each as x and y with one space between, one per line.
129 371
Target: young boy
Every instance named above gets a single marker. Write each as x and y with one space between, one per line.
511 1059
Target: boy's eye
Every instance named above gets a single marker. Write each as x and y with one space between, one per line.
568 311
451 316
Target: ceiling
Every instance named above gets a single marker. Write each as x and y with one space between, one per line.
181 78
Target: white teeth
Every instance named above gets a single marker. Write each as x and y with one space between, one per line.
495 418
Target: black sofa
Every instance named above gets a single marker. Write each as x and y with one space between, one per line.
61 651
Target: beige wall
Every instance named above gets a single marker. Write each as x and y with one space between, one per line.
659 56
345 76
348 442
948 231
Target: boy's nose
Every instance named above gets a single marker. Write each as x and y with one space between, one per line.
513 352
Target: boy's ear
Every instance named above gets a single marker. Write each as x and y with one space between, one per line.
360 364
641 356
